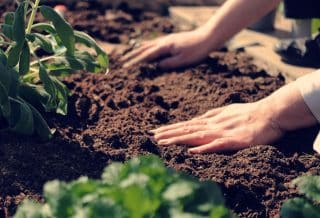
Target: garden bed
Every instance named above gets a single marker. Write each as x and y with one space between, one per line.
109 118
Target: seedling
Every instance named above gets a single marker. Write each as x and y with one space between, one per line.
308 204
32 57
143 187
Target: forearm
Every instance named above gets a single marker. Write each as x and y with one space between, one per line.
294 106
232 17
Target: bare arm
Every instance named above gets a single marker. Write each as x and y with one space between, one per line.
239 126
233 16
191 47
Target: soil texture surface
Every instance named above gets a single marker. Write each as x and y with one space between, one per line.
114 24
109 118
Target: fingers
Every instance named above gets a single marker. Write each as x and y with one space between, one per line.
219 145
135 52
211 113
194 139
179 125
147 54
178 132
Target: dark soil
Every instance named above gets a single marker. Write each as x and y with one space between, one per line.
120 25
115 25
109 118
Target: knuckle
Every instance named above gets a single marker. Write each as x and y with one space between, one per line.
202 135
187 129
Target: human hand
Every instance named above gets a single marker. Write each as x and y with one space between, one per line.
239 126
178 50
233 127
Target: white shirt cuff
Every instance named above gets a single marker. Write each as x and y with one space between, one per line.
309 87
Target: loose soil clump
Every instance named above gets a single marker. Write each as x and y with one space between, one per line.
109 118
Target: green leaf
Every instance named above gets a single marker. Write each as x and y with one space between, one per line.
7 30
9 18
99 208
3 58
43 42
24 64
49 87
29 209
5 77
221 212
64 30
89 62
111 174
136 197
23 122
176 213
309 186
9 79
1 39
14 55
299 208
179 190
70 61
14 82
68 64
44 27
57 91
83 187
19 32
62 95
85 39
30 37
4 102
36 95
59 199
40 125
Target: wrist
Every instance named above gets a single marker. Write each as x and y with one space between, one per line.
288 109
207 38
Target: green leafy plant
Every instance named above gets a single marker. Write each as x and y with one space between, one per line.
142 187
29 81
308 205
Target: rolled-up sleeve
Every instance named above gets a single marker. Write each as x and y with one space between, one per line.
309 87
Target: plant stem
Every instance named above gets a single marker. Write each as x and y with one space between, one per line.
32 16
42 60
